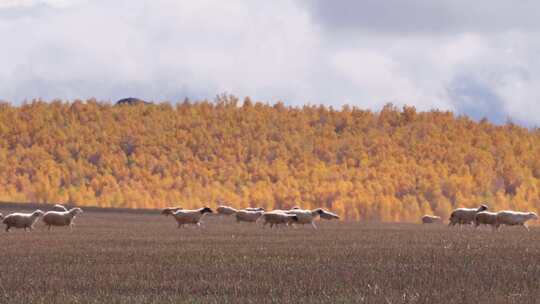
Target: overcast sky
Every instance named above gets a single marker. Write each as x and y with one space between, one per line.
474 57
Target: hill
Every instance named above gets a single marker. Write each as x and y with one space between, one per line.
391 165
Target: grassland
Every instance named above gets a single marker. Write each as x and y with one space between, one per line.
123 257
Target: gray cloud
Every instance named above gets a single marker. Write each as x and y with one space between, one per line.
425 16
478 60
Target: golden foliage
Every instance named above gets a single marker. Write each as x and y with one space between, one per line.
393 165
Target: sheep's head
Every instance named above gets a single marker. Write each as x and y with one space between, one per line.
532 216
75 211
482 207
37 213
206 210
329 215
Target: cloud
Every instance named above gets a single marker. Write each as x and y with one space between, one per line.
426 17
475 59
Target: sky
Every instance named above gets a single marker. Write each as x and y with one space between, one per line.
477 58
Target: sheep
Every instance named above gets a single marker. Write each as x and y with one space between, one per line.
465 215
22 220
254 209
306 216
61 218
248 215
170 210
327 215
277 218
184 217
486 218
226 210
514 218
431 219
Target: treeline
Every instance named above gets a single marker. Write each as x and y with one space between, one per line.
391 165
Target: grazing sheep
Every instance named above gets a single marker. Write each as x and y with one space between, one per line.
486 218
431 219
225 210
184 217
278 218
327 215
248 216
515 218
465 216
254 209
22 220
306 216
170 210
61 218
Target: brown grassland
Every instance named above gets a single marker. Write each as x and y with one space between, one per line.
141 257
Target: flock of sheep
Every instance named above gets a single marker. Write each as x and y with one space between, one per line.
252 215
275 218
64 217
480 216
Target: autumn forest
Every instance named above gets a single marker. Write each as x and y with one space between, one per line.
390 165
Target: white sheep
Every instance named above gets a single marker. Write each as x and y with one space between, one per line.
515 218
306 216
22 220
61 218
248 215
486 218
254 209
463 216
431 219
225 210
184 217
278 218
327 215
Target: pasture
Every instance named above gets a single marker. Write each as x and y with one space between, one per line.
138 257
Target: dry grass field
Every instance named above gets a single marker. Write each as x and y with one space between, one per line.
123 257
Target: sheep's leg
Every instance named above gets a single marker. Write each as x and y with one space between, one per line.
48 227
313 224
7 228
525 226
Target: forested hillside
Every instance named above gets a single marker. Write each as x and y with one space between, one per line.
391 165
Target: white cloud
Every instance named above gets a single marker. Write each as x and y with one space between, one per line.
283 50
11 4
